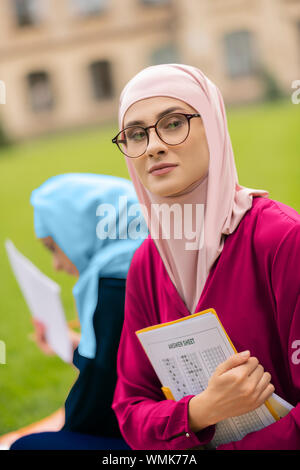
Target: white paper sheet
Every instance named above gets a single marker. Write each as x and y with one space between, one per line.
42 295
185 354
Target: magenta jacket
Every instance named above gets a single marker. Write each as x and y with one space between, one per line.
254 286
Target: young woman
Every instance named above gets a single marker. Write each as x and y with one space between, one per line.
97 250
243 262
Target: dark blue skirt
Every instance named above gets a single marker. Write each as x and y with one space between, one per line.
64 440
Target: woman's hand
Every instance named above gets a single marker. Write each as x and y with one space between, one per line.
238 385
40 337
75 338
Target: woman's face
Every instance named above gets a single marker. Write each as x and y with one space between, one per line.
189 161
60 261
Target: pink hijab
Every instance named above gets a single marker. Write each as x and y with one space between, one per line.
225 201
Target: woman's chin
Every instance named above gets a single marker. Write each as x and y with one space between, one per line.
163 191
164 187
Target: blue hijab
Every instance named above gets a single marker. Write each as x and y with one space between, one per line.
89 217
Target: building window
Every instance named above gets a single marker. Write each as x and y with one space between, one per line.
28 12
101 79
40 91
165 55
239 54
88 7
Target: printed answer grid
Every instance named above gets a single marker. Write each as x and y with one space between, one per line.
194 378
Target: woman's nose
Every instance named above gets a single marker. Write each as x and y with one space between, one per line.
156 147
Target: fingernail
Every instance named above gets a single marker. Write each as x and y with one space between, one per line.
245 353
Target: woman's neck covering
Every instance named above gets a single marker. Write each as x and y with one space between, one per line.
225 201
68 208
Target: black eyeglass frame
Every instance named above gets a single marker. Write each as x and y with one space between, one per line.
188 117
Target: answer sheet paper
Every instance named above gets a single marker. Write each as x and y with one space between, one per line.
185 354
42 295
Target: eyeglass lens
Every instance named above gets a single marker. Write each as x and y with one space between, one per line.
172 129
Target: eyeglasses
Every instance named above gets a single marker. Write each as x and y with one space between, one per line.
172 129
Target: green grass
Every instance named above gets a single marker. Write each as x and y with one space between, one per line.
266 142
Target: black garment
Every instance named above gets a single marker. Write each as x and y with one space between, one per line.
88 406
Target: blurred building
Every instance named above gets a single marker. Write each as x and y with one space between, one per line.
248 48
64 62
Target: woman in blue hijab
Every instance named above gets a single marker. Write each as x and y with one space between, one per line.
93 224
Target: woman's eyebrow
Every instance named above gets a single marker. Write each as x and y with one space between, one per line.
158 116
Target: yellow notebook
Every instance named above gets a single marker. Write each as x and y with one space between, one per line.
185 353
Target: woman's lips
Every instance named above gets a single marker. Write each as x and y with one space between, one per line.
163 170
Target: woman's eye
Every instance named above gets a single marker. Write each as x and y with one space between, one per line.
173 124
137 136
